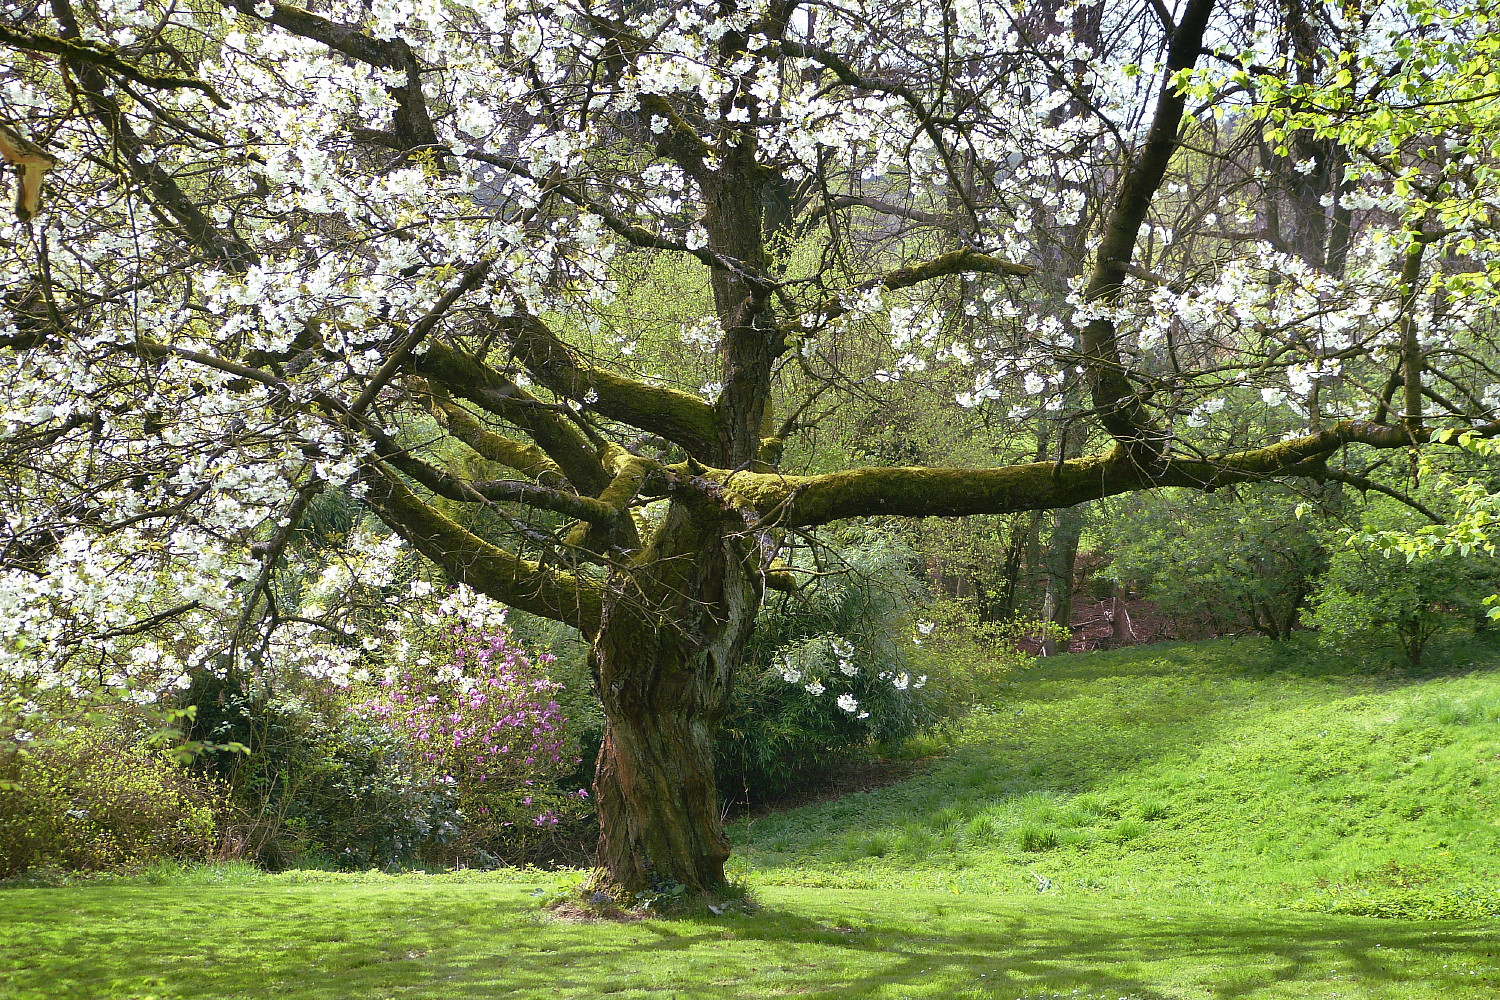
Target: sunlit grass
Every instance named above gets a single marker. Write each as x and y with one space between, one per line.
1211 772
446 939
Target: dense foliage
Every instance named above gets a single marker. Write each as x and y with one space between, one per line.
1374 596
454 752
312 782
1223 563
830 671
99 797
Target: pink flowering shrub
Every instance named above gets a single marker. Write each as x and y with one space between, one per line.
487 727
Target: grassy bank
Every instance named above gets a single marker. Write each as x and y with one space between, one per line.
1196 773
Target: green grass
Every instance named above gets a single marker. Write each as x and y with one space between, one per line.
1223 820
423 937
1195 773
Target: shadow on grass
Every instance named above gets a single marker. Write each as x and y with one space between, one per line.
464 943
1139 956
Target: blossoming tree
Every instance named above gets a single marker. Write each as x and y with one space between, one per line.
266 251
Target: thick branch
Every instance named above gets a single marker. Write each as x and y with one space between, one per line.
412 122
101 55
669 413
630 472
487 568
1120 410
523 456
805 501
480 384
964 260
447 485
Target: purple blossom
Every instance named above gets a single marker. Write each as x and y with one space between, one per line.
490 727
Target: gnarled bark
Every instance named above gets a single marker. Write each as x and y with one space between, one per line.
665 658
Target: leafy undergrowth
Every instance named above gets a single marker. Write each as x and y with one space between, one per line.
420 938
1209 772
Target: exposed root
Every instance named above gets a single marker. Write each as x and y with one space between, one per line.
579 911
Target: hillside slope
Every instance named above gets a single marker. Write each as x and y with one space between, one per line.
1227 771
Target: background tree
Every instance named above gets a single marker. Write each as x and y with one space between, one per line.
1227 563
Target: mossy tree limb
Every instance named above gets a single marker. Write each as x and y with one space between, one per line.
467 558
808 501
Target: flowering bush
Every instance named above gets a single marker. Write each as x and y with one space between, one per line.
411 727
863 677
317 783
828 673
484 722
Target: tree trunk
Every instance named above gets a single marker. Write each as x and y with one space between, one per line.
1122 633
658 808
664 661
1019 531
1061 557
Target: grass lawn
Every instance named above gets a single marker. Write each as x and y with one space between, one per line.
1223 820
1206 773
434 938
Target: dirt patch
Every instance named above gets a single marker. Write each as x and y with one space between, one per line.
572 911
854 775
1122 622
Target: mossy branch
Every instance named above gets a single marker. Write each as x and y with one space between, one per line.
806 501
105 58
523 456
475 381
451 487
487 568
619 528
675 415
964 260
